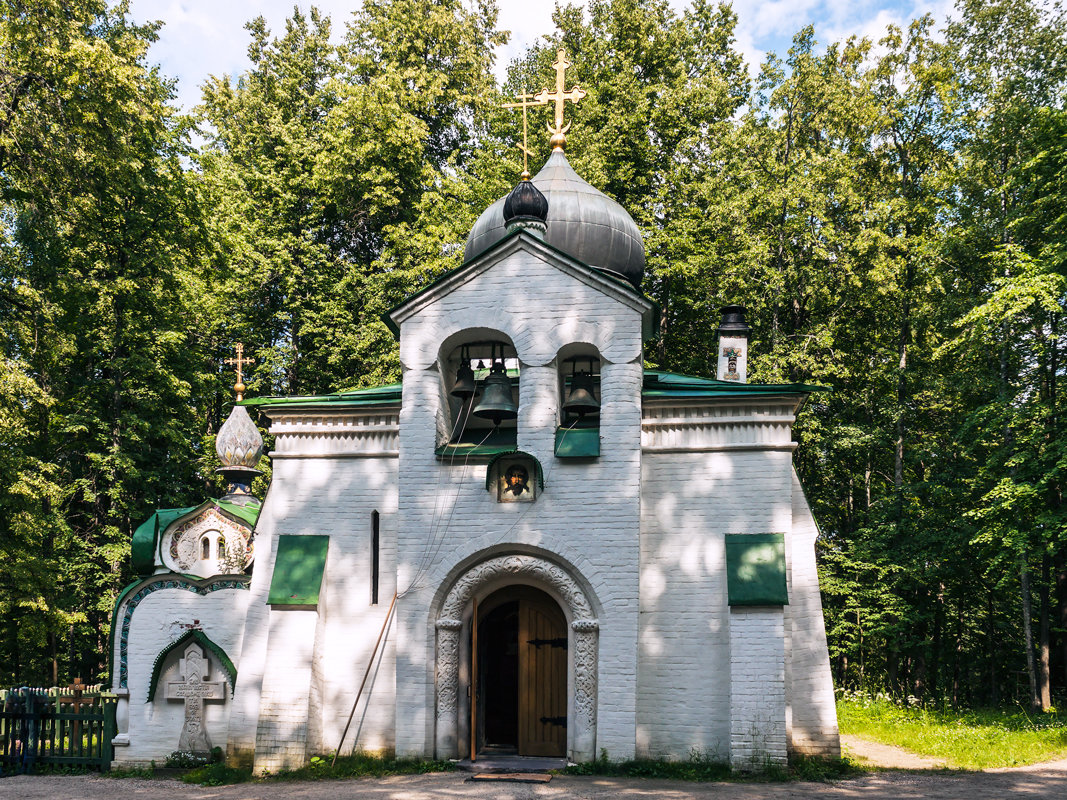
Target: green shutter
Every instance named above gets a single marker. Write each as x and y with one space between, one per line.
578 442
755 569
298 569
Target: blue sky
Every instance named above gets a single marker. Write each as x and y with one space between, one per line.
207 37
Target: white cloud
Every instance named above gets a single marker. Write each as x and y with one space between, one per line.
207 37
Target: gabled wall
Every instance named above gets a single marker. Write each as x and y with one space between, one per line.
588 512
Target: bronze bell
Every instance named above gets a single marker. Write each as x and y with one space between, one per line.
464 387
496 403
581 400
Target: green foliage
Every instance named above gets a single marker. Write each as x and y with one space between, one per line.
217 774
977 739
698 767
891 213
143 773
360 765
704 767
186 759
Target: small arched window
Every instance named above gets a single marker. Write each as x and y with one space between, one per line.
222 548
205 548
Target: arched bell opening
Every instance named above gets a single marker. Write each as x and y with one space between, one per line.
480 373
578 433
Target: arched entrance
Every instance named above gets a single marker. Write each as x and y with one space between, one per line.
455 623
519 671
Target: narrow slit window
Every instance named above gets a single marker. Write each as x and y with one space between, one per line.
205 548
222 548
374 549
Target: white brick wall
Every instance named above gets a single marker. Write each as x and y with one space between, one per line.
333 496
282 726
810 688
757 687
157 622
588 513
690 500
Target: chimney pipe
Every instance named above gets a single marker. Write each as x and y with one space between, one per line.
733 345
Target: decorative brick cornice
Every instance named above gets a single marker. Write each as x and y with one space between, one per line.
343 433
757 424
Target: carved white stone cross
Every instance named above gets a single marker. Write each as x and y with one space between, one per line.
194 690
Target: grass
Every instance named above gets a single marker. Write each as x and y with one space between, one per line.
703 767
357 765
978 739
697 767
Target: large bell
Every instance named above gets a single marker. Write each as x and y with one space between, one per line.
496 403
464 387
581 400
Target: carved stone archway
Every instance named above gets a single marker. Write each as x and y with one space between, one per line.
585 627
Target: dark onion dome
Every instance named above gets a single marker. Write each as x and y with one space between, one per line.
582 221
525 202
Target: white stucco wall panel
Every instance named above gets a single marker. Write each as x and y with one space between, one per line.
690 501
160 619
758 734
810 688
588 513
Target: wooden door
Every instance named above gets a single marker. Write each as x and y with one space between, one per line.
542 678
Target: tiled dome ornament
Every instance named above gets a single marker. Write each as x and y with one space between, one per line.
239 445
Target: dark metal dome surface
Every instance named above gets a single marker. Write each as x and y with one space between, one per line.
582 221
525 201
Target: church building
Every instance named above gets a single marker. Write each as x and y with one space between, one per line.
531 546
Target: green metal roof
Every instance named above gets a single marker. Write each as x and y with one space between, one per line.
672 384
146 537
578 441
657 383
479 443
375 395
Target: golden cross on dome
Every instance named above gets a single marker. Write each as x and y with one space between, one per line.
558 96
526 153
239 362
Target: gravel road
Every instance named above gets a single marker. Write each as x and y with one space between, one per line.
1039 781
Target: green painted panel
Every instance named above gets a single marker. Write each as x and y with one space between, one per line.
577 442
298 569
755 569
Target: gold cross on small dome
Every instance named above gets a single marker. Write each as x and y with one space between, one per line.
558 96
239 362
526 153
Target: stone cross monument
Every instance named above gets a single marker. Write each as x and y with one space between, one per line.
194 690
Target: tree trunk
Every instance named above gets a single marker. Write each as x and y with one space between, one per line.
1028 631
934 683
1061 594
1043 690
991 649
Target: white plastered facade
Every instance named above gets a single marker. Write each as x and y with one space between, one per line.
630 545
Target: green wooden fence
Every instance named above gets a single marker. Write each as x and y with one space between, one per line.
55 727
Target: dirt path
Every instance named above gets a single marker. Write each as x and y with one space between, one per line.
1039 781
876 754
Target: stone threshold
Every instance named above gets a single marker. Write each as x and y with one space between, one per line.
511 765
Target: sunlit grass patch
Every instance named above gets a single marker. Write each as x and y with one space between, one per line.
361 765
356 765
976 739
704 767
